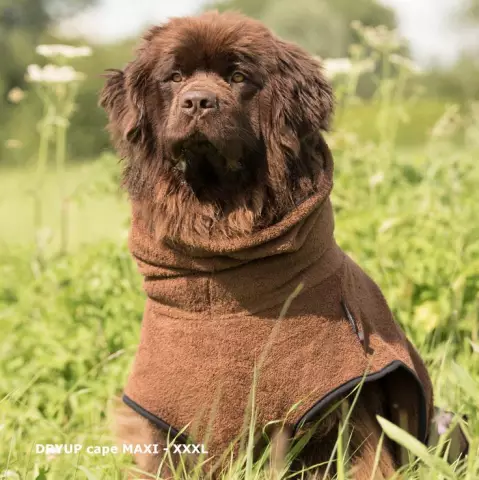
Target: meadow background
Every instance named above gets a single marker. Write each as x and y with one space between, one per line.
406 196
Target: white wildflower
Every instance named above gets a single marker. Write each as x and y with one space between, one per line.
9 474
443 421
404 62
66 51
475 346
448 124
381 38
376 179
53 74
472 125
337 66
13 144
356 50
363 66
388 224
344 66
357 25
16 95
43 236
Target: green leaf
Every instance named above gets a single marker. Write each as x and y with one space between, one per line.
416 447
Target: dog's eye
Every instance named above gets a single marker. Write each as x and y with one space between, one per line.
176 77
238 77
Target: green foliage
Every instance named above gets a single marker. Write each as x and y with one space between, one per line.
414 127
315 26
471 10
87 136
23 24
67 338
458 83
322 27
98 209
416 232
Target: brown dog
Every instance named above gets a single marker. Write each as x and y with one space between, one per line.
220 123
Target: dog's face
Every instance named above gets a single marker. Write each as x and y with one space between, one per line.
217 118
206 107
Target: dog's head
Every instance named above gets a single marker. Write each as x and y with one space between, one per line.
218 121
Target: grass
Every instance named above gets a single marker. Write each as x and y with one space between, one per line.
97 210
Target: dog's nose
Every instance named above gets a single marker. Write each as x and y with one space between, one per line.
198 102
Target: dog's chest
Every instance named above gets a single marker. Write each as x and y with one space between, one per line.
204 373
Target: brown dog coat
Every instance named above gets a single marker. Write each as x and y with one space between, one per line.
213 318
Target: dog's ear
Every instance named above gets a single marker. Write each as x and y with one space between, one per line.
300 99
123 98
113 99
124 94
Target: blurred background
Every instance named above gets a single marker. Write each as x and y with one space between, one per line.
441 37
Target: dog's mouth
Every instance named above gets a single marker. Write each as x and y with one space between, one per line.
197 150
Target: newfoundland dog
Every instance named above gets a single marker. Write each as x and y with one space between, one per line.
254 315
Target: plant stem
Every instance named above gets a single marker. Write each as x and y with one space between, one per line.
60 164
45 134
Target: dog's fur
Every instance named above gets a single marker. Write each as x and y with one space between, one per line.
261 161
266 129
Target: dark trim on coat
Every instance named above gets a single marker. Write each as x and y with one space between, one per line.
173 433
346 387
315 410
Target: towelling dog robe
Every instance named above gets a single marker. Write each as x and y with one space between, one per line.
216 314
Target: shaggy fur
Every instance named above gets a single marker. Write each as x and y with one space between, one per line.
240 167
266 129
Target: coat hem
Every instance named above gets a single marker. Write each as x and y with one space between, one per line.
350 384
315 409
157 421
